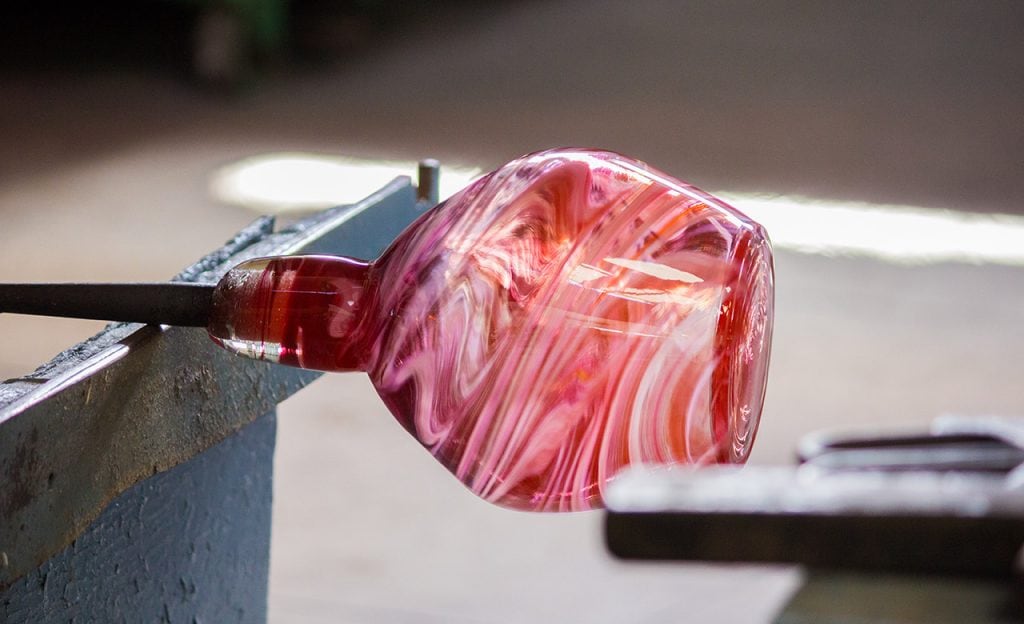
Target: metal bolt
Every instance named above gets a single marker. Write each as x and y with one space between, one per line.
428 181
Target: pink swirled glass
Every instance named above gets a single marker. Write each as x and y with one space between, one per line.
565 316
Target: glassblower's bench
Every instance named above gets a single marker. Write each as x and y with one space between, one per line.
137 465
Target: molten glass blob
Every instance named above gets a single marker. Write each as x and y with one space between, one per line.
565 316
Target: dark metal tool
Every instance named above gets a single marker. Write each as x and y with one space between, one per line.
961 452
947 502
168 303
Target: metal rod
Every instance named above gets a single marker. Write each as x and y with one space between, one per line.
428 183
164 303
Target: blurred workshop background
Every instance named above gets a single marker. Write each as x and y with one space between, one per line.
881 143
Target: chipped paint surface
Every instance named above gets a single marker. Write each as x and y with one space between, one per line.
190 544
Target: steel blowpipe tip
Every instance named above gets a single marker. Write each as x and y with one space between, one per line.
162 303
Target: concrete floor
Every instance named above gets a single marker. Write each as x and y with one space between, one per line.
103 176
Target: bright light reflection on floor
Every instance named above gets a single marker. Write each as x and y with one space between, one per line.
284 183
292 182
901 234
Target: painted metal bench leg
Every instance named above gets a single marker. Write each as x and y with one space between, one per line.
188 545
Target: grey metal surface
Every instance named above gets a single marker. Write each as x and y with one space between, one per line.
137 400
187 545
953 443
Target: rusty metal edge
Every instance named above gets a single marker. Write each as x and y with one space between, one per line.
137 400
